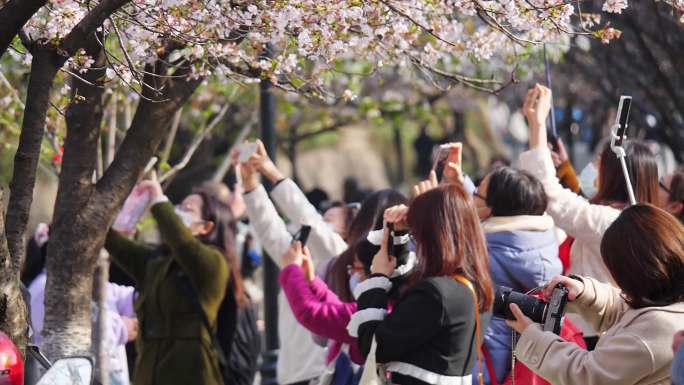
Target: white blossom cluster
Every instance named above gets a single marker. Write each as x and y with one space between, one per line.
310 37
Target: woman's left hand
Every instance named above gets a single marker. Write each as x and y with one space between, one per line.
453 170
383 263
153 188
293 255
521 321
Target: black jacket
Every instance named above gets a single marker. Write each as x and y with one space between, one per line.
429 337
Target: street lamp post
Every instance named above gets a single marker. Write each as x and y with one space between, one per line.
271 288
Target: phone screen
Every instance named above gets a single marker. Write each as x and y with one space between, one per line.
302 235
441 153
623 118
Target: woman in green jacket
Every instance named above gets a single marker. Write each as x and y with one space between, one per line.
191 266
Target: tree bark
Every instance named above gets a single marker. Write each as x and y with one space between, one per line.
44 67
78 228
13 310
13 16
101 349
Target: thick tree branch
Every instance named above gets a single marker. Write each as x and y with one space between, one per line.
199 138
73 41
144 136
43 70
77 229
13 15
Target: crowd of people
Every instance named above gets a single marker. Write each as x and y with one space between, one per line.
403 289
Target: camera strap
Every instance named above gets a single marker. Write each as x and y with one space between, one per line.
469 285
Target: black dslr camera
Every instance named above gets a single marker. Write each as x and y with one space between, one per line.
549 314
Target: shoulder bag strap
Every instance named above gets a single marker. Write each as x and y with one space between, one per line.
478 343
194 298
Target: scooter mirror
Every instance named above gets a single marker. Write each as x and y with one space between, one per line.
69 371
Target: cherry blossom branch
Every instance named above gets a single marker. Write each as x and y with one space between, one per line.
199 138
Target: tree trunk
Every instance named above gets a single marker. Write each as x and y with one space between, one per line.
44 67
84 212
13 310
78 228
101 348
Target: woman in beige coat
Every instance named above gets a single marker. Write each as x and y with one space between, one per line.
644 252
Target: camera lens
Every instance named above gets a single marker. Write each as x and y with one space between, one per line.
531 306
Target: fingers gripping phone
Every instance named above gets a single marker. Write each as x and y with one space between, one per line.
246 150
302 235
440 155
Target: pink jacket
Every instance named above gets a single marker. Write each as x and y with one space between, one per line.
319 310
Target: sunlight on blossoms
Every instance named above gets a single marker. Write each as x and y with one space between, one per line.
308 39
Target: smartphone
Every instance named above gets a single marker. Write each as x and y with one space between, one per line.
440 155
246 151
622 119
302 235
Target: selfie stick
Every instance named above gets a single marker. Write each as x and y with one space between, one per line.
619 151
547 71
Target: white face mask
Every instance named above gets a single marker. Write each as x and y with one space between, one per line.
354 281
587 180
185 216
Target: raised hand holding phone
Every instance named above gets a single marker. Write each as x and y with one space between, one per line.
536 109
453 170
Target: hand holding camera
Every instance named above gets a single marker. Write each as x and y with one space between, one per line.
520 310
383 263
397 216
575 287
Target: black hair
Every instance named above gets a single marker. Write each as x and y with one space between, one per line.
222 237
514 192
369 216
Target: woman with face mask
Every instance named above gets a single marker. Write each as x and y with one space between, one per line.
586 220
193 268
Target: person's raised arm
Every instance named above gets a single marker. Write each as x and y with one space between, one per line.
269 228
323 315
131 256
292 202
571 212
